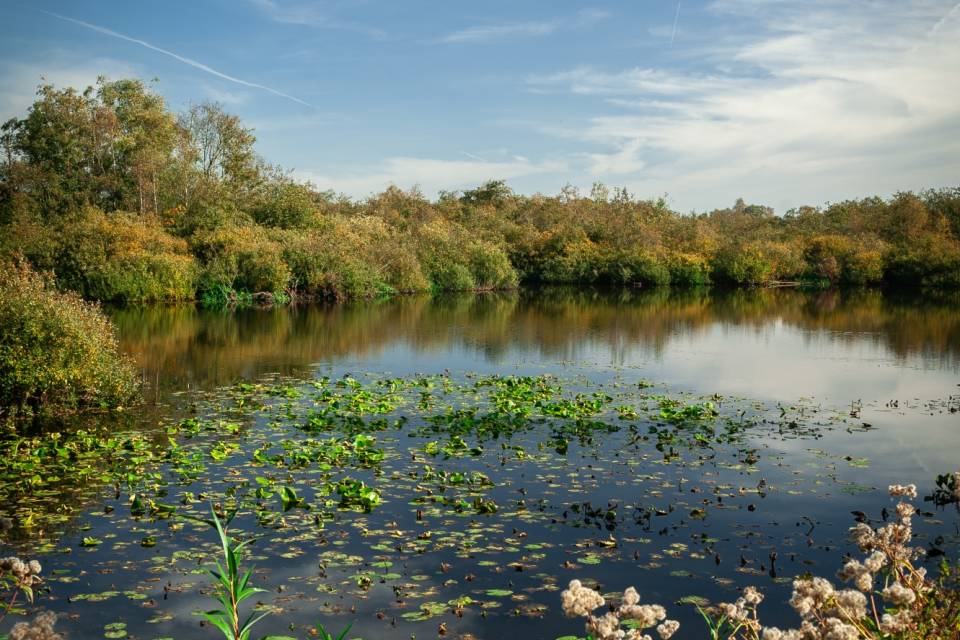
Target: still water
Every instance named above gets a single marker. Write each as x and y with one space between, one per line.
871 378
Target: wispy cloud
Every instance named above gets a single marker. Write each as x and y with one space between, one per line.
188 61
431 175
824 97
487 33
311 15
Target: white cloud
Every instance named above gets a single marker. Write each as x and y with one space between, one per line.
232 98
61 69
310 15
487 33
828 100
494 32
431 175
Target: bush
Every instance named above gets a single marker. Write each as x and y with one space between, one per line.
243 259
743 264
688 269
842 259
441 250
57 352
286 205
116 257
490 267
929 262
638 268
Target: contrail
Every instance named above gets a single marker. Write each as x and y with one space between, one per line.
943 20
676 18
473 157
192 63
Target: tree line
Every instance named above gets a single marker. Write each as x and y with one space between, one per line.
122 199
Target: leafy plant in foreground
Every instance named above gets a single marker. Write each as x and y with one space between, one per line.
234 585
323 634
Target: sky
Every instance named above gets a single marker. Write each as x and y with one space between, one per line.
780 102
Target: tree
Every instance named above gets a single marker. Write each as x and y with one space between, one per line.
224 147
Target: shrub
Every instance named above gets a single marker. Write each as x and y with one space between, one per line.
743 264
331 263
441 250
57 352
931 261
688 269
638 267
490 267
287 205
112 257
241 258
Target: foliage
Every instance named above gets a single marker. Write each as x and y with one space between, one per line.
908 605
233 584
57 352
125 201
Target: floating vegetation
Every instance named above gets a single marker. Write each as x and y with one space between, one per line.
908 605
392 503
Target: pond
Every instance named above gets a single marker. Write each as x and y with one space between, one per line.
424 467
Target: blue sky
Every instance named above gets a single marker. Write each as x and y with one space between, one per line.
782 102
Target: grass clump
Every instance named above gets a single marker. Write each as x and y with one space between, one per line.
57 352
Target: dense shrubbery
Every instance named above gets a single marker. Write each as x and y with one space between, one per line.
125 201
108 256
57 352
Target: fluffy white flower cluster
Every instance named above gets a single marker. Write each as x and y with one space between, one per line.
905 490
18 568
899 595
580 601
743 612
826 612
40 629
861 573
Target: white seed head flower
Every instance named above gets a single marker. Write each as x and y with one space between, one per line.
645 615
773 633
875 561
667 628
858 573
899 595
630 596
896 622
752 596
809 596
606 627
836 629
905 510
578 600
40 629
851 605
863 536
908 490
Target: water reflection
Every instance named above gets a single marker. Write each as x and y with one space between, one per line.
781 339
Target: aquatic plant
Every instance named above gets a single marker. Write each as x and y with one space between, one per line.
233 584
909 605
